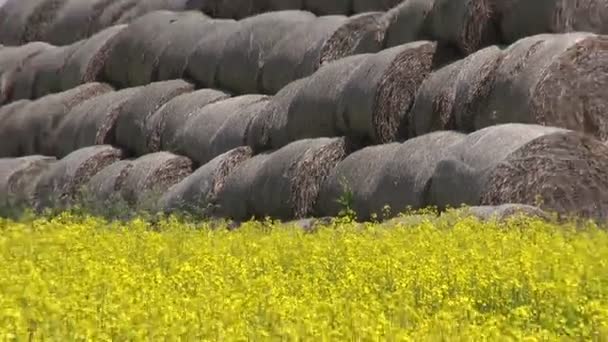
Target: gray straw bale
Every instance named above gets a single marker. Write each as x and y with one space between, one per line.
197 193
167 122
75 21
87 62
239 9
131 126
408 22
462 175
17 179
151 175
41 19
12 62
283 184
303 50
111 13
361 6
377 96
470 25
135 50
203 63
394 175
33 130
59 186
564 171
49 72
195 139
144 7
585 16
312 112
503 212
186 33
92 122
15 14
269 128
247 48
9 116
323 7
536 72
103 191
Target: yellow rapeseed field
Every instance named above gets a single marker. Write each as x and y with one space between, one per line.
82 278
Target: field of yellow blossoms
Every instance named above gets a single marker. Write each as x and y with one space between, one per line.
75 277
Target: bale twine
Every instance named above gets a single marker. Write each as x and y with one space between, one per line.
59 186
92 122
303 50
197 193
246 50
135 50
377 96
393 176
196 136
536 73
35 128
186 33
504 212
87 62
41 19
74 21
268 129
203 63
322 7
17 179
313 108
131 126
12 62
469 25
461 177
151 175
408 22
283 184
9 116
15 14
167 122
101 195
565 171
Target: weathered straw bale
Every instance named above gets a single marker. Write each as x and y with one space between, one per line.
17 179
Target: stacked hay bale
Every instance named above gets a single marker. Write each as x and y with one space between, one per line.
392 176
74 21
283 184
101 195
12 61
559 170
15 15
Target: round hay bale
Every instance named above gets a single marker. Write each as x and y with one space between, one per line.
377 97
361 6
12 62
564 171
15 14
461 177
75 21
585 16
322 7
535 74
39 21
111 13
520 18
9 116
167 122
131 126
134 53
303 50
33 132
504 212
268 129
408 22
197 193
101 195
469 25
186 34
312 112
246 50
151 176
195 140
203 63
283 184
59 186
17 179
92 122
87 62
23 78
393 176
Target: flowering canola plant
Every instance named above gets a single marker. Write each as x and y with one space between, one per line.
83 278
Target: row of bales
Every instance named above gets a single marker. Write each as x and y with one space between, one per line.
173 106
